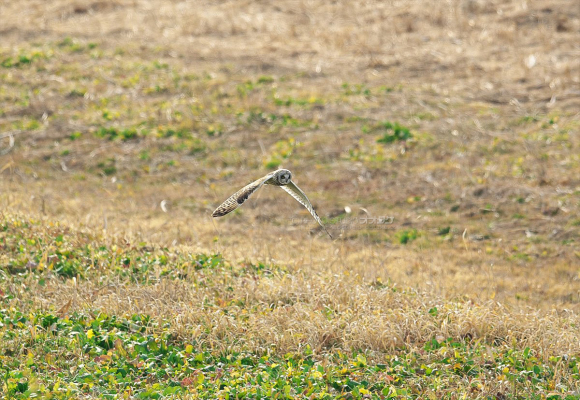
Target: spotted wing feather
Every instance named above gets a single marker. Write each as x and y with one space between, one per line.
299 195
238 198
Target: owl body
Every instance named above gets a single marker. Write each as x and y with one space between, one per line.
281 178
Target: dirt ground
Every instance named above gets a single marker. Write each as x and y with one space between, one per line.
117 106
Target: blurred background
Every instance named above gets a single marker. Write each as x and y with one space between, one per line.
458 121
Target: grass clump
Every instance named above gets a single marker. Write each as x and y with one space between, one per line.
355 89
395 132
25 59
407 235
114 133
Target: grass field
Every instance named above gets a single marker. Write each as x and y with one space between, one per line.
438 141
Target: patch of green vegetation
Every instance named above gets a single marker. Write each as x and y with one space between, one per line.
190 146
436 213
25 58
356 89
354 118
108 167
244 88
77 92
166 132
337 219
372 235
110 115
527 119
71 45
265 79
113 133
397 133
156 89
386 89
256 115
214 130
394 132
518 255
287 120
283 149
27 124
14 63
425 116
196 146
274 121
75 135
272 162
31 250
289 101
501 146
131 81
407 235
144 155
489 208
160 65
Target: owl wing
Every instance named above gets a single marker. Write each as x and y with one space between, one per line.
238 198
299 195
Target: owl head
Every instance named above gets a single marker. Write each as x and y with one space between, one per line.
283 176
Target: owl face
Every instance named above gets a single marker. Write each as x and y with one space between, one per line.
283 176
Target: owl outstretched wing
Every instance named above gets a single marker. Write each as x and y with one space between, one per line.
299 195
238 198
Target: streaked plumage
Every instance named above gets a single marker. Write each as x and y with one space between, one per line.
281 178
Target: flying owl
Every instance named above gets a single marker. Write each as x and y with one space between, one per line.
281 178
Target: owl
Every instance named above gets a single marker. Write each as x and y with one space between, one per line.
281 178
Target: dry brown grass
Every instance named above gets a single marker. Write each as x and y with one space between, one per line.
326 311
